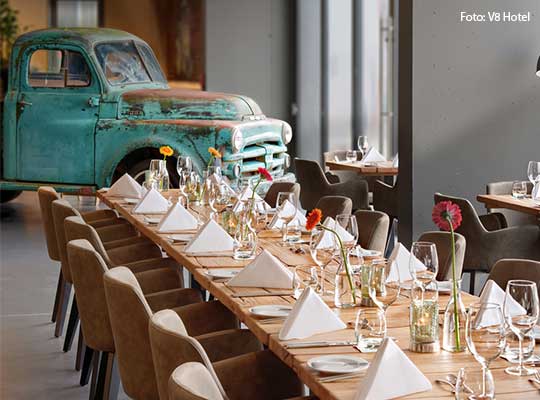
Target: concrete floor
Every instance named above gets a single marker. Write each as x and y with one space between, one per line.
32 363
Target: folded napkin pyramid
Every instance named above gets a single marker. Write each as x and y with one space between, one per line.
126 186
328 238
177 219
211 238
373 155
399 260
277 222
492 293
391 374
264 271
247 194
152 203
309 316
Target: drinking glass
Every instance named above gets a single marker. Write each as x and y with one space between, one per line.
184 163
286 208
303 277
223 197
348 223
471 383
214 169
521 313
485 335
369 329
383 284
363 144
426 253
350 156
519 189
322 252
533 171
511 350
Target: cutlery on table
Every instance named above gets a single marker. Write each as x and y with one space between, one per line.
341 377
261 294
301 345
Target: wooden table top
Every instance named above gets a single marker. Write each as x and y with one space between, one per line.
382 169
433 365
526 206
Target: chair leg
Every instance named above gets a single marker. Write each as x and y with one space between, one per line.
108 379
95 369
72 325
472 274
87 365
62 308
57 296
80 351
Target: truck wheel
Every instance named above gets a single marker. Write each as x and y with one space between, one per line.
138 169
8 195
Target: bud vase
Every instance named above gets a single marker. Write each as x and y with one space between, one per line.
450 342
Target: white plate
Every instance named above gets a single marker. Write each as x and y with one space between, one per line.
536 333
152 220
331 364
444 286
368 253
222 273
273 310
181 238
131 201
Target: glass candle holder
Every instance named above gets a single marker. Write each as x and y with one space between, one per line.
424 319
372 274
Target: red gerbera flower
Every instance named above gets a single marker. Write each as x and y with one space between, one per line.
264 172
313 219
446 212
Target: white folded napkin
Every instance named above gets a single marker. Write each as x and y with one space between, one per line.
126 186
152 203
211 238
277 222
492 293
400 257
391 374
264 271
327 238
247 194
373 155
395 161
309 316
177 219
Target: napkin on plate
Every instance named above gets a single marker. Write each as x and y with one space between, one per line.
247 194
126 186
327 238
152 203
177 219
277 222
309 316
400 259
492 293
373 156
391 374
211 238
264 271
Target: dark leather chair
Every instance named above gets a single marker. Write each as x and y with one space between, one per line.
513 218
331 206
508 269
372 229
386 198
443 242
279 187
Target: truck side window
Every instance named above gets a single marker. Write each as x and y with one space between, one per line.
58 69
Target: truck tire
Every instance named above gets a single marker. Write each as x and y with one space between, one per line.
8 195
137 170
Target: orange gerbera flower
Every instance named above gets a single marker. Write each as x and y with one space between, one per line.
167 151
214 153
313 219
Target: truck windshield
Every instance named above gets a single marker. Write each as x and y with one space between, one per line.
122 64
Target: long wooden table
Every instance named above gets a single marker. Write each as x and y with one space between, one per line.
527 206
432 365
382 169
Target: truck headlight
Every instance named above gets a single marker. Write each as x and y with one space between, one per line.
286 161
237 140
286 133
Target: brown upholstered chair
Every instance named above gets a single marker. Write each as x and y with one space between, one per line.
508 269
443 242
488 241
386 198
278 187
130 312
338 176
372 229
172 345
513 218
253 375
331 206
315 185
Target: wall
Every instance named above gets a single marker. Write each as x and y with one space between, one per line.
476 100
33 14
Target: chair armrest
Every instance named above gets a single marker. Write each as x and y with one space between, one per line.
229 343
246 376
114 232
90 216
158 280
493 221
206 317
153 263
135 252
514 242
113 244
332 178
174 298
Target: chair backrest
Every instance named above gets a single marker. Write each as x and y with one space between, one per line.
386 198
87 269
471 226
46 196
513 218
510 268
312 181
277 187
172 346
372 229
77 228
392 238
129 314
443 242
331 206
192 381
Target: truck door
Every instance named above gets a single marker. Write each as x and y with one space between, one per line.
56 116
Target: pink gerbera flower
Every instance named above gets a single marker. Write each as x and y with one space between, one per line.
445 213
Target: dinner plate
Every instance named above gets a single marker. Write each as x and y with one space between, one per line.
272 310
368 253
181 237
336 364
127 200
221 273
442 286
152 220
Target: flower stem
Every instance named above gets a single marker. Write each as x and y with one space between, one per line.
454 285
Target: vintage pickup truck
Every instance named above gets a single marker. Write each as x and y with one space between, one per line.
84 106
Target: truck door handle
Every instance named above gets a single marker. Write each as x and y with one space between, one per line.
93 101
23 103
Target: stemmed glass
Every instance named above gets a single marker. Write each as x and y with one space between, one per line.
521 312
383 284
184 166
286 208
426 253
533 171
485 335
363 144
322 252
184 163
348 223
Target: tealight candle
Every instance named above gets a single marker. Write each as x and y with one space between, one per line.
423 323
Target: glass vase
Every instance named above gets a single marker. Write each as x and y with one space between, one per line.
344 294
452 342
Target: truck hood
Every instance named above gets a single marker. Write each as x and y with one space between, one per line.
185 104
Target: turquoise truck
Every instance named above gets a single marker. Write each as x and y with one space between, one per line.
84 106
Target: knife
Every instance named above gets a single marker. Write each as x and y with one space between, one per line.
301 345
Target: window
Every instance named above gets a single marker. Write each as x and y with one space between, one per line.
121 63
58 69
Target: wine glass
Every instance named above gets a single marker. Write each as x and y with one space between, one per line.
471 382
286 208
485 335
363 144
533 171
184 163
423 262
347 228
322 248
383 284
521 312
350 156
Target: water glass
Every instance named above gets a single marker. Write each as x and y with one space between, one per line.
426 253
383 284
471 383
351 156
303 277
511 350
322 254
349 224
519 189
286 208
245 242
294 231
369 329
